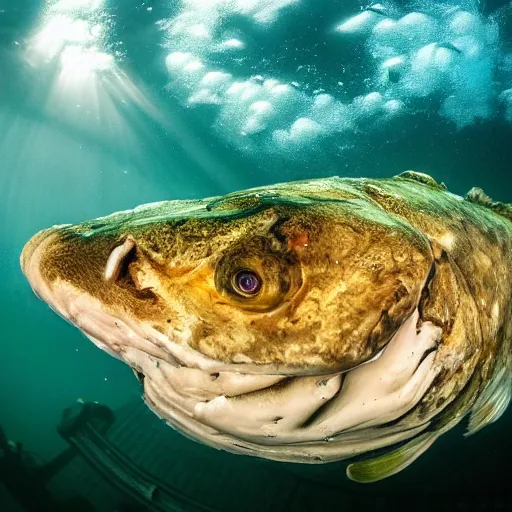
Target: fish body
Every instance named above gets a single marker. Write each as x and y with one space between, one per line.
307 322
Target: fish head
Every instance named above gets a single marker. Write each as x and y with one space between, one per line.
279 322
261 282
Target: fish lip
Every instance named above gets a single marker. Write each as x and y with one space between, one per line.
191 358
30 262
30 248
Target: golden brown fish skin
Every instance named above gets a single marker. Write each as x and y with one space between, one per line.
347 281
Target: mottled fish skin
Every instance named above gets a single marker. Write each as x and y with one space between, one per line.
347 265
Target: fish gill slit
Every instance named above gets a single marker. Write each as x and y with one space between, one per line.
425 292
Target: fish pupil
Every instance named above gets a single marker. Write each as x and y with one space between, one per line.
248 282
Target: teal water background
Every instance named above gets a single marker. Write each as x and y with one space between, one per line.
78 143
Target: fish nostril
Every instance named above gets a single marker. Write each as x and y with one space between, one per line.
117 259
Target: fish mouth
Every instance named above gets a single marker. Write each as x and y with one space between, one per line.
272 411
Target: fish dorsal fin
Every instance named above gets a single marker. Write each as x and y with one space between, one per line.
420 177
392 462
493 401
478 196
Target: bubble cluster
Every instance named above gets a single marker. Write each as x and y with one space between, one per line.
450 54
453 56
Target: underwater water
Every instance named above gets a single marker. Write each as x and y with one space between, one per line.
108 104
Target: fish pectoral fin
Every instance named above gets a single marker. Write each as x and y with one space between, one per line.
392 462
493 401
488 408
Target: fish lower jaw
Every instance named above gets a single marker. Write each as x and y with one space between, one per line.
294 418
251 423
300 418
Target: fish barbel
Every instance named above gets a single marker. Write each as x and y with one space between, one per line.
304 322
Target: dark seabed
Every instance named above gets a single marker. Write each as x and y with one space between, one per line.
107 104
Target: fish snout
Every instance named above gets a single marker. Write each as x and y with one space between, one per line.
31 246
36 242
31 258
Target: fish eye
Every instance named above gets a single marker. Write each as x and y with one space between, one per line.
246 282
255 275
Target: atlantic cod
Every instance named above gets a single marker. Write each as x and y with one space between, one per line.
307 322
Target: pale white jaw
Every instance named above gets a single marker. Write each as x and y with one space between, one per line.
312 408
265 411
